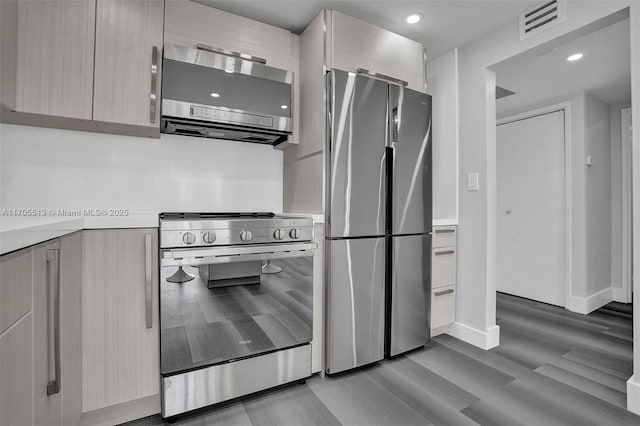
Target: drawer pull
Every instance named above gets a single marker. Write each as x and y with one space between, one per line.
445 231
442 253
443 292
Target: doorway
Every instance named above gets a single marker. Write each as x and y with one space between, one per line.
557 247
531 207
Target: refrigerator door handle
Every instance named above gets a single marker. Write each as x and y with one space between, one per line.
395 125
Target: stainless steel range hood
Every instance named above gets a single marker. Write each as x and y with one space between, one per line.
224 95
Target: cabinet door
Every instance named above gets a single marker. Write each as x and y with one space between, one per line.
359 44
55 44
126 89
120 348
16 374
47 380
188 23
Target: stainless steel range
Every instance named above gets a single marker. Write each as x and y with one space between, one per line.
236 305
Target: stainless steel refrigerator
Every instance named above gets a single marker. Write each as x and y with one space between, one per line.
378 220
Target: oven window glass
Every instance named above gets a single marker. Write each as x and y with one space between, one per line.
234 310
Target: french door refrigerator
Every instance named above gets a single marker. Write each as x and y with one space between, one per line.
378 220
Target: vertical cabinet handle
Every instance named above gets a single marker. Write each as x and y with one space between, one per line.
155 53
53 320
396 124
148 303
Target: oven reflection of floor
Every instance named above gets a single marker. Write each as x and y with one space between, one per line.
202 326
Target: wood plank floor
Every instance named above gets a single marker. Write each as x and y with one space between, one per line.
552 367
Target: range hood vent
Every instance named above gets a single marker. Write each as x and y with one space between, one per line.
542 17
501 92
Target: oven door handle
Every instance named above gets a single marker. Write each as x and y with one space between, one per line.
234 254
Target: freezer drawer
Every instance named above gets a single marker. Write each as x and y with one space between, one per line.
410 293
355 301
356 155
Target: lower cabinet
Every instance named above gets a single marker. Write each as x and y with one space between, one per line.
120 330
443 278
40 352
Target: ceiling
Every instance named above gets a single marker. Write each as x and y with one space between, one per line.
447 24
604 71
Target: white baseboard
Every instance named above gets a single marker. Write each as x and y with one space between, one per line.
633 395
585 305
490 338
122 413
620 295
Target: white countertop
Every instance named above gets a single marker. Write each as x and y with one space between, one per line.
21 232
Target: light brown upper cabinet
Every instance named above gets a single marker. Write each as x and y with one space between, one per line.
189 24
129 39
359 44
47 57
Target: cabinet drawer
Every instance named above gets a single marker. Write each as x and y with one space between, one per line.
443 267
443 306
444 236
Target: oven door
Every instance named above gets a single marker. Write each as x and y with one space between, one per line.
241 301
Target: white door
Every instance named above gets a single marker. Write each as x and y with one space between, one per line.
531 208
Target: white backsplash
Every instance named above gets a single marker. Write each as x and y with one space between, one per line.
45 168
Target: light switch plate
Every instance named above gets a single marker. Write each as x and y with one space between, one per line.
473 182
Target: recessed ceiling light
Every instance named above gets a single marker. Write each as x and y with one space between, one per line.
284 106
414 18
215 95
575 57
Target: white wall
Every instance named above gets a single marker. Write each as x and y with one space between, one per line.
477 228
597 195
442 84
477 121
616 193
51 168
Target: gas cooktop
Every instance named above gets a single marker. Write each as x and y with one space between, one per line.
215 229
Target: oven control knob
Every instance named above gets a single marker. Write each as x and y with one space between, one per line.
188 238
246 235
295 233
279 234
209 237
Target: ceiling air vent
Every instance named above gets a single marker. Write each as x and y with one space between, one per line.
501 92
542 17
